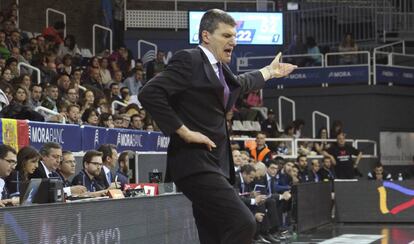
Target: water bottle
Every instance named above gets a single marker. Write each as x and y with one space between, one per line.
400 177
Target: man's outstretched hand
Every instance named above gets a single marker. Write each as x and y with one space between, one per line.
276 69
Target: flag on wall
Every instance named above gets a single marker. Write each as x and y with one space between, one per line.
14 133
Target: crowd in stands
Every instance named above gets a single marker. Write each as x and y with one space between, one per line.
80 89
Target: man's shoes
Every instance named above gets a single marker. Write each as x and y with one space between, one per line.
261 240
272 238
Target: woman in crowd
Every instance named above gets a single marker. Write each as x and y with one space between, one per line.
6 75
106 120
104 71
348 45
27 163
90 117
69 47
21 95
319 147
66 66
87 100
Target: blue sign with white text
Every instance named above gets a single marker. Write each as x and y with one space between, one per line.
93 137
397 75
68 136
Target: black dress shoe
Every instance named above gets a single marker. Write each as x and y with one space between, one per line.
262 239
271 238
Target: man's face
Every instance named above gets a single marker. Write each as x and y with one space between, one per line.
303 163
52 160
138 75
237 158
126 121
137 122
115 90
7 164
2 37
94 166
260 140
114 158
53 93
379 171
68 165
160 56
15 52
327 163
294 172
72 95
288 167
221 42
15 37
341 140
118 76
248 178
64 81
118 123
315 165
95 74
74 114
272 170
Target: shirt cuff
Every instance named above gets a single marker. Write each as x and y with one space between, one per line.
252 201
67 191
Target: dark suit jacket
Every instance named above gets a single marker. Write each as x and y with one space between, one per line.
101 179
39 172
238 188
188 92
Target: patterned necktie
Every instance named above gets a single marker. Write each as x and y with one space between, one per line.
224 84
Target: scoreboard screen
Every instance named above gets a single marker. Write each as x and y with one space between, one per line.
253 28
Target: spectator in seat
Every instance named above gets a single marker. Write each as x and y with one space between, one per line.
261 152
109 159
326 173
106 120
104 71
92 165
348 45
297 47
302 163
289 132
11 63
295 175
336 128
7 164
51 99
284 177
118 121
51 155
379 173
4 51
125 94
313 174
63 83
87 100
156 66
269 126
66 66
312 48
69 47
115 92
123 164
21 95
90 117
237 158
341 156
14 40
298 125
73 115
136 122
94 79
134 82
36 95
56 31
72 96
319 147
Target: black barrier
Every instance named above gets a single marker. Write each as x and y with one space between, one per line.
374 201
147 162
312 205
161 220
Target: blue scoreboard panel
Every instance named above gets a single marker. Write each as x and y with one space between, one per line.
253 28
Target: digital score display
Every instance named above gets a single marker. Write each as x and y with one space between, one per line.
253 28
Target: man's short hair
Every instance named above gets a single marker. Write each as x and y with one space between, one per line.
89 155
300 156
211 20
5 149
247 169
106 150
72 106
47 147
326 157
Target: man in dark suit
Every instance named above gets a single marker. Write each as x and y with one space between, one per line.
109 160
189 100
51 157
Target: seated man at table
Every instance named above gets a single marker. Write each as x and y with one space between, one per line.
378 173
66 169
92 164
8 158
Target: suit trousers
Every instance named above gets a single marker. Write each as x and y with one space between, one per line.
220 215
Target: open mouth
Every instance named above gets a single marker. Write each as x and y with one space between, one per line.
228 51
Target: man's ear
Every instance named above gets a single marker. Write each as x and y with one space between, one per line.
205 35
